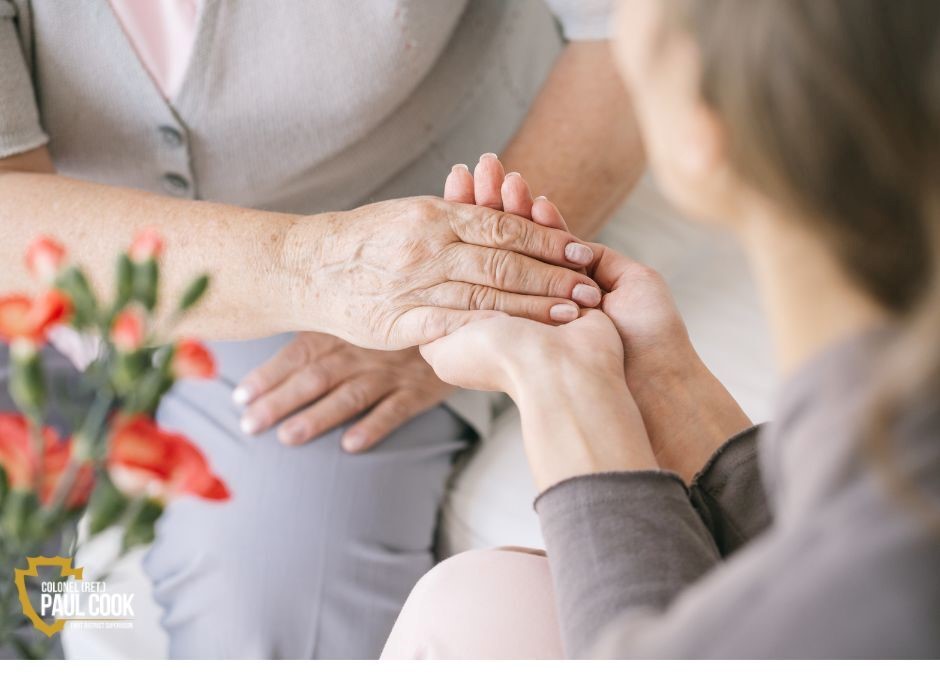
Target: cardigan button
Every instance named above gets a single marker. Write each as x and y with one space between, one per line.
171 136
175 184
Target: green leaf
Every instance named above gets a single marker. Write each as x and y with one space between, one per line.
19 507
4 485
106 505
128 368
141 529
28 382
85 307
194 293
125 282
146 282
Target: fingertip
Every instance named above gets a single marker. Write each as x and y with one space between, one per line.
586 295
354 441
516 196
579 253
243 395
545 213
488 178
458 187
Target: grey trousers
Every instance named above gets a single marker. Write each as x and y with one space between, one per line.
316 552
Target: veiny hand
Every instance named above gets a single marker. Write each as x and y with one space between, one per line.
400 273
324 382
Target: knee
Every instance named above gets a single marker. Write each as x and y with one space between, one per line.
479 604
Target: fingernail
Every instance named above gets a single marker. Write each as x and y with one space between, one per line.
249 425
563 313
578 253
488 155
460 166
353 442
513 174
586 295
542 196
242 395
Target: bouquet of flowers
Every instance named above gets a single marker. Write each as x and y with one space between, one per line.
117 466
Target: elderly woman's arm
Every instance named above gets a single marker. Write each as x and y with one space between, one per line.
387 275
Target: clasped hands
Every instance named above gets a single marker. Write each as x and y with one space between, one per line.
673 414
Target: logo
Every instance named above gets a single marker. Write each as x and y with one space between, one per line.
70 598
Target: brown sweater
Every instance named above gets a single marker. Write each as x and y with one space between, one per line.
789 544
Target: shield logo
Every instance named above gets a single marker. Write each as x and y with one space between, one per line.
20 575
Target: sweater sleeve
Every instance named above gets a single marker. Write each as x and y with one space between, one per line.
728 493
20 128
620 541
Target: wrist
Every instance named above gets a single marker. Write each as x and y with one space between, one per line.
299 262
577 420
689 414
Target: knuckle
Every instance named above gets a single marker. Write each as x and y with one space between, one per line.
399 407
507 230
423 209
357 397
498 268
314 379
295 353
482 298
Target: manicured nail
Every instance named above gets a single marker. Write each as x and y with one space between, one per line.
353 442
578 253
250 425
513 174
563 313
460 166
586 295
542 196
488 155
242 395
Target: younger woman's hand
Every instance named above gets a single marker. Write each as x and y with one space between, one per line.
577 414
687 412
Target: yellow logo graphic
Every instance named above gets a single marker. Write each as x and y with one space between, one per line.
65 570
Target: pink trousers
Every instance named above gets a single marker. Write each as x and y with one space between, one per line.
487 604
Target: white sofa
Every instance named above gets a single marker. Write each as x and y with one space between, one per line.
490 502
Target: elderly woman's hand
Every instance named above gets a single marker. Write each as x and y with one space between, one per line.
406 272
317 382
401 273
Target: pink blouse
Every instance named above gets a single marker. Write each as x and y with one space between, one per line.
162 33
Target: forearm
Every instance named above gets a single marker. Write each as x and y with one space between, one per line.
688 412
580 145
253 273
576 423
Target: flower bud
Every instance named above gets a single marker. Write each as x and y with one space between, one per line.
127 331
44 259
147 245
192 360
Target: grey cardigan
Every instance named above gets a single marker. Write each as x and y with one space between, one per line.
788 544
290 106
